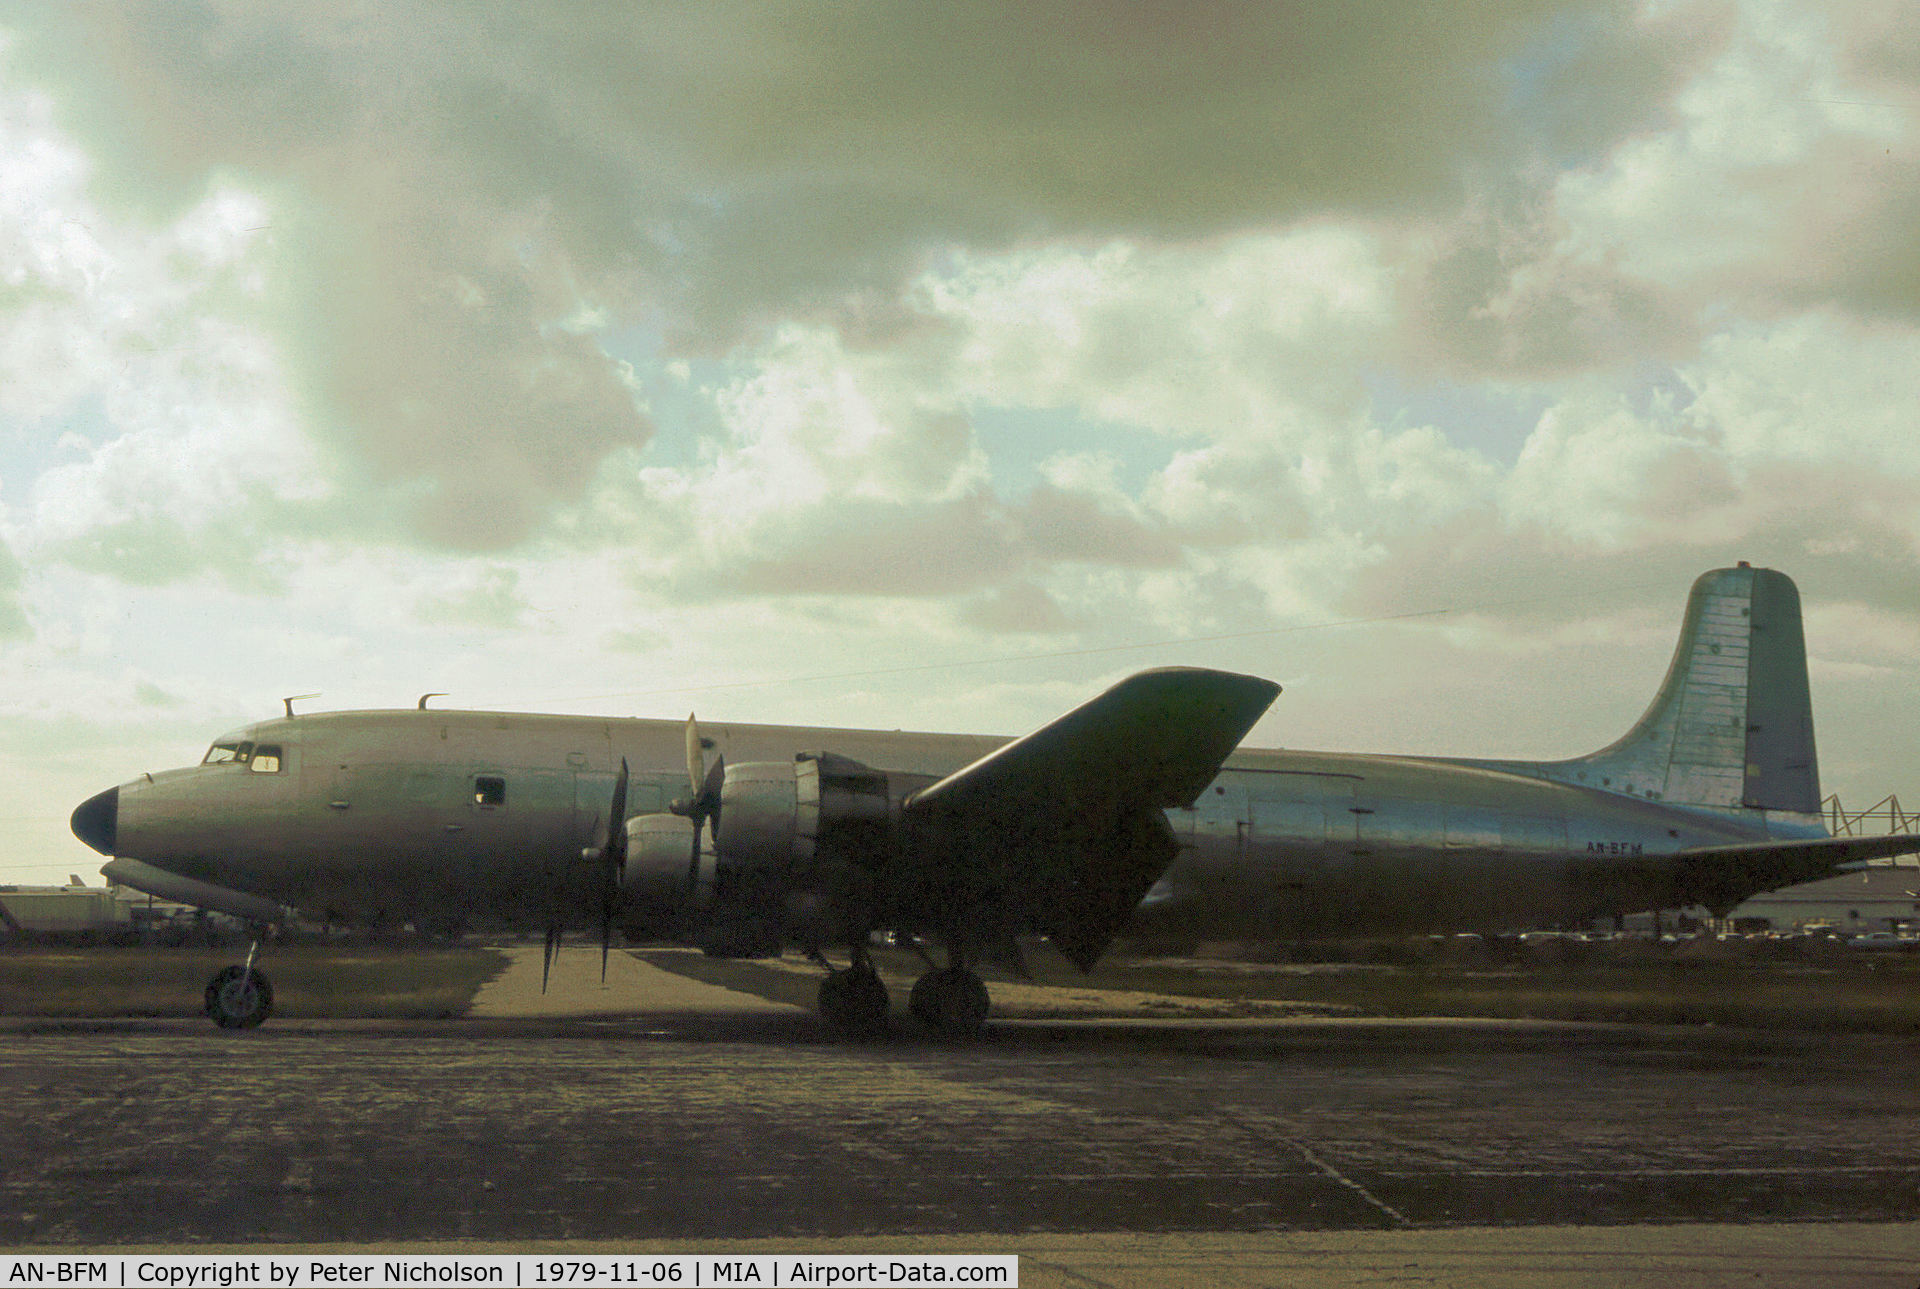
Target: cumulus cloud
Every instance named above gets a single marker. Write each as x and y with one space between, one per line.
1784 181
1596 472
1779 173
13 618
155 435
1015 607
462 201
1506 291
863 548
1252 337
1787 446
487 596
857 471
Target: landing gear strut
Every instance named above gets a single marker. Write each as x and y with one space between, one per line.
239 997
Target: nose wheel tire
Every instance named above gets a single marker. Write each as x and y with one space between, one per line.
953 1001
854 1000
239 998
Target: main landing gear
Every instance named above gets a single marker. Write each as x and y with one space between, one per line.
854 999
239 997
951 1000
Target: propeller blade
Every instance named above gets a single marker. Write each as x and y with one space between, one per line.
614 857
615 850
704 784
707 805
696 758
546 957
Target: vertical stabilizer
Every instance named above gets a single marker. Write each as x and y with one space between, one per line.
1732 725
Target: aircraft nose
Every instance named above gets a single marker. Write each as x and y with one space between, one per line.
96 821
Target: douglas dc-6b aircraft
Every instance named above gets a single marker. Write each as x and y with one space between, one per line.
1130 814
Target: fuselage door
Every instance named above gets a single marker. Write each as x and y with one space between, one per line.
1393 827
1289 822
1219 823
340 790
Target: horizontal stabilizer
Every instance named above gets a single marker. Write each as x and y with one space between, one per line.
1153 741
1722 876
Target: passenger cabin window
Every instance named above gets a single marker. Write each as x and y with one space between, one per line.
266 759
489 790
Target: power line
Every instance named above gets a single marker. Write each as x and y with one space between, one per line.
1091 650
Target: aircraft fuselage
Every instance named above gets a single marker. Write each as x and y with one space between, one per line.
445 817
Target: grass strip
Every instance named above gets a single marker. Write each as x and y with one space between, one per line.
308 982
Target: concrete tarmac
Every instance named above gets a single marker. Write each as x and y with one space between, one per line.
1104 1151
573 986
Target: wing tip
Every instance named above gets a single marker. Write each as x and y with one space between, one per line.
1235 684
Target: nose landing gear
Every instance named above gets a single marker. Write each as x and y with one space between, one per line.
239 997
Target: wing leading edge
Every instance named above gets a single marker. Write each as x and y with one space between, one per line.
1153 741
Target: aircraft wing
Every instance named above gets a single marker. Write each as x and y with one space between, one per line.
1722 876
1071 815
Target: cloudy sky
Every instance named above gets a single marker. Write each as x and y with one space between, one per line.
936 365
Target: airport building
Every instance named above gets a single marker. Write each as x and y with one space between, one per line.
77 908
1880 897
1872 899
73 907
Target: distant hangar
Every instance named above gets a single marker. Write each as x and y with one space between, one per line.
77 908
1871 899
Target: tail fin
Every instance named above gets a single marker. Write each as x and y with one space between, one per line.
1732 725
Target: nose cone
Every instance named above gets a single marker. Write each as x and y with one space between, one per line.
97 821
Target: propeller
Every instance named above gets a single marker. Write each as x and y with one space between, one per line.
703 806
609 850
613 857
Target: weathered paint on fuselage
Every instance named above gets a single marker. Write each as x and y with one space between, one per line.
379 815
1299 844
384 816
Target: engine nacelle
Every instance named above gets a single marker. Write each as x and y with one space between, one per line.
785 849
781 816
665 879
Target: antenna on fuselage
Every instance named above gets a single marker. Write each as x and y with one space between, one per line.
425 697
296 698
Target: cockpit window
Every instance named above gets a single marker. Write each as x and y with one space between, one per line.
266 759
228 753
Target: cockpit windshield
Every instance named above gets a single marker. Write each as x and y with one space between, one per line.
228 754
